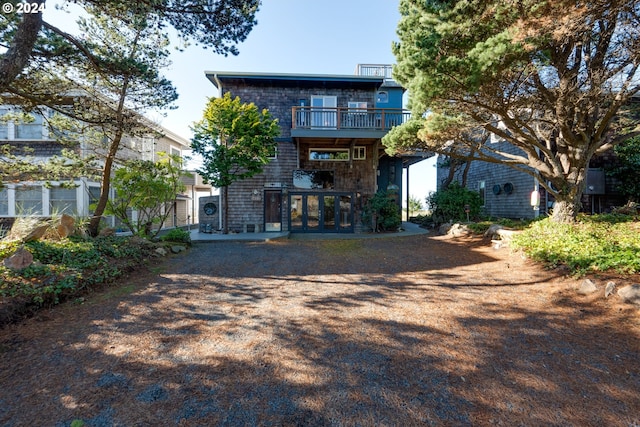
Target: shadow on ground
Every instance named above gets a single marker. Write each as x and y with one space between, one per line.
408 331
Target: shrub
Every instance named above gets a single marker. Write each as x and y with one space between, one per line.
449 204
594 243
177 235
383 208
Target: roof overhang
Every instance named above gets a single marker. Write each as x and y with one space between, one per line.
220 78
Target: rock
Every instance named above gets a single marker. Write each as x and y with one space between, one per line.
492 230
459 230
176 249
68 221
36 233
20 259
630 293
609 288
63 231
587 287
161 251
444 228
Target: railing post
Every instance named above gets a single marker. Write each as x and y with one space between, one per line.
293 117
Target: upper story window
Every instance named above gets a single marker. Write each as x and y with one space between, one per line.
4 201
4 125
382 97
30 129
329 154
359 153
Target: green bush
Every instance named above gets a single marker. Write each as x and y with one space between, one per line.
594 243
64 268
449 204
177 235
384 209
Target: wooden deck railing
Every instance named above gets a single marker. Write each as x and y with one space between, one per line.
347 118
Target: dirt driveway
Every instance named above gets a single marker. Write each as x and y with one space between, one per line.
404 331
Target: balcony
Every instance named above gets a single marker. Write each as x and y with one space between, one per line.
345 122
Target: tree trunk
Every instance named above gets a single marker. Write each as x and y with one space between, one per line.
225 211
105 186
568 202
17 56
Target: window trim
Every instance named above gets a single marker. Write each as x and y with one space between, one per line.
357 150
330 150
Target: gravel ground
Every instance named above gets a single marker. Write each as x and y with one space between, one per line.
406 331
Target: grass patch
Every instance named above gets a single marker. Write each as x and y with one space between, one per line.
594 243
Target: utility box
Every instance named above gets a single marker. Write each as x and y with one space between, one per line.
595 182
209 212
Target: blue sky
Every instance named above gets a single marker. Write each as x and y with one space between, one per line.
295 36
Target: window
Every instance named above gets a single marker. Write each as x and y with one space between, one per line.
4 126
29 200
313 179
481 190
32 129
323 111
62 200
4 201
329 154
273 153
359 153
383 97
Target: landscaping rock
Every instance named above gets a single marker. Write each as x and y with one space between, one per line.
609 289
459 230
20 259
444 228
630 293
492 230
36 233
587 287
161 251
176 249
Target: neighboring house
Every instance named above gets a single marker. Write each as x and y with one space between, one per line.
330 160
507 193
35 198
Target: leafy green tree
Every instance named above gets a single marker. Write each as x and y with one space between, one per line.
235 141
149 188
551 79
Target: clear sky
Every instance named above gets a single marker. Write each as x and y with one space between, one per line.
295 36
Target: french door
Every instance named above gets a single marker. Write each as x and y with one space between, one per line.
324 111
321 212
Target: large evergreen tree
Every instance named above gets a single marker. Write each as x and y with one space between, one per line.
554 79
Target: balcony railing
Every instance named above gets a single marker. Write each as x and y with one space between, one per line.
379 70
342 118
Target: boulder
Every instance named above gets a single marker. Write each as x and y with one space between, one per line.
630 293
492 230
36 233
176 249
587 287
20 259
161 251
609 288
444 228
459 230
